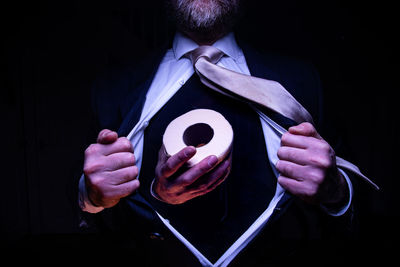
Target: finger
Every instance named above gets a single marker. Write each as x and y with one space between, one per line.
301 141
293 154
206 182
294 140
291 170
174 162
305 129
123 175
303 190
128 188
293 186
107 137
198 170
119 160
162 154
122 144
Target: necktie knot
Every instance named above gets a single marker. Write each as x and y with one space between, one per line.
211 54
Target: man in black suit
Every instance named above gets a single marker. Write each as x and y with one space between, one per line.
209 214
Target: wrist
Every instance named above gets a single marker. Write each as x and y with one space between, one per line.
339 192
335 210
84 202
153 193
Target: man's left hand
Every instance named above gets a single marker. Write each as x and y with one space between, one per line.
307 167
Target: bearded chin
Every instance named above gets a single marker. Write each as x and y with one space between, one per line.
207 19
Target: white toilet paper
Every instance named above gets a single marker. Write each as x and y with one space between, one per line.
205 129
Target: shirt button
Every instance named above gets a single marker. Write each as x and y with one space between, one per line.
145 124
156 236
181 82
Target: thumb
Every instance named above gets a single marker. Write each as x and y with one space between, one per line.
305 129
107 137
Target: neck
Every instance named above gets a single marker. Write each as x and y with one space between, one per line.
202 39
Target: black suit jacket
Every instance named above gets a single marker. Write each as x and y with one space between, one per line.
117 100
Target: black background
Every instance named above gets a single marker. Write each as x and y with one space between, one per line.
52 51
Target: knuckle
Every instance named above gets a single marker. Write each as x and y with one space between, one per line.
285 137
186 181
91 149
284 168
321 161
281 152
95 183
169 165
125 144
313 159
309 191
324 146
291 154
115 162
288 170
135 171
131 158
163 170
325 162
181 156
287 153
316 176
91 168
308 126
135 185
204 168
132 172
279 165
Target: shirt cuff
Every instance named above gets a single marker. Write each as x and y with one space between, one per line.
341 211
84 202
154 194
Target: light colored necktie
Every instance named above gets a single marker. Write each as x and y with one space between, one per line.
266 93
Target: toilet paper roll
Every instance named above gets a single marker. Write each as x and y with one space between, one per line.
205 129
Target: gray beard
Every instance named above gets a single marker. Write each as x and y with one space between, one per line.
205 17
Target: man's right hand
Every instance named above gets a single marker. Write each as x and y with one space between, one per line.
176 185
109 168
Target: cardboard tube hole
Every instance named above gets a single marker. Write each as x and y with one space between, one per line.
198 135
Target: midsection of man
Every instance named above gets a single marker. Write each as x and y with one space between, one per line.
214 221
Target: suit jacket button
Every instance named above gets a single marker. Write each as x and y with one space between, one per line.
156 236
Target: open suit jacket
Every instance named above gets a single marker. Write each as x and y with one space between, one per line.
295 227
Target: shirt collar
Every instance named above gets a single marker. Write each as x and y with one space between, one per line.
227 44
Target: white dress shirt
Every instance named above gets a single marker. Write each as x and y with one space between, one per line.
173 72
